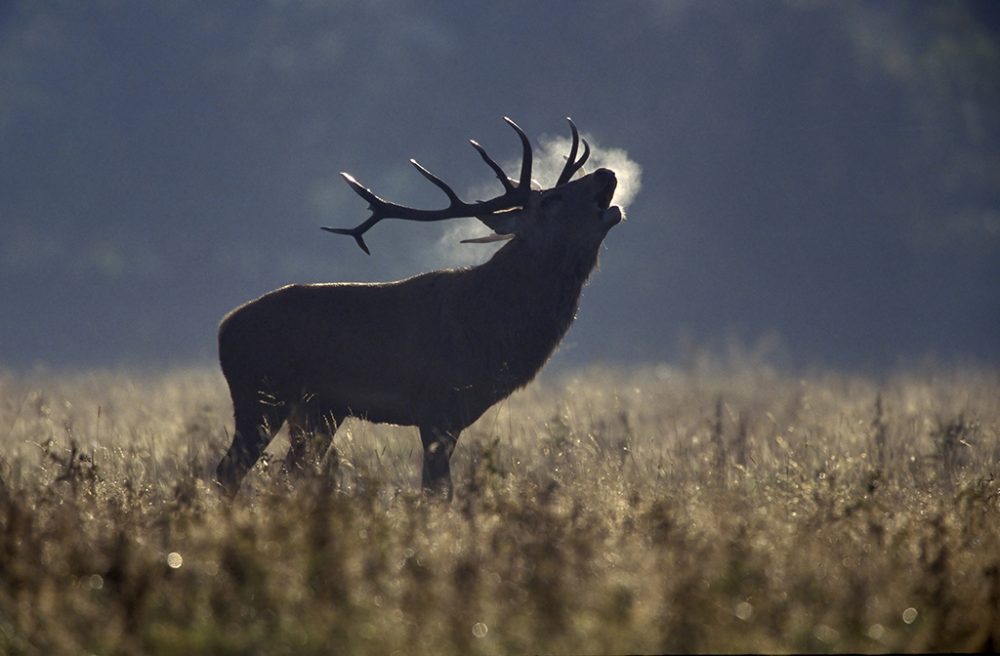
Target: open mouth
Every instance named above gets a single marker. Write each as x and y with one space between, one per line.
612 216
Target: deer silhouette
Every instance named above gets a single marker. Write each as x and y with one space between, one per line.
433 351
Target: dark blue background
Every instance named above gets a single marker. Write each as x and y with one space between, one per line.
820 176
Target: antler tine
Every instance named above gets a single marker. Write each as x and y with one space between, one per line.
353 232
360 189
568 170
501 175
583 158
439 183
572 164
524 182
383 209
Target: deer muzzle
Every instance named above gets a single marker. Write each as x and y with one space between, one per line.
607 182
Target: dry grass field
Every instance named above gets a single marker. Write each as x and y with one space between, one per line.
653 510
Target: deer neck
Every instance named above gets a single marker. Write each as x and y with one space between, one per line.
530 300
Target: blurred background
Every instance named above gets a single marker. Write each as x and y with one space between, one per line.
820 181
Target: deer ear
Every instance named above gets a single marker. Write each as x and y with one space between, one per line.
505 222
488 239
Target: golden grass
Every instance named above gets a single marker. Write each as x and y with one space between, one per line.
652 510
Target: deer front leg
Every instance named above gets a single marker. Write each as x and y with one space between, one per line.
255 427
438 447
310 433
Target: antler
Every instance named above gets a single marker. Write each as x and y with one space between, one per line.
513 195
572 164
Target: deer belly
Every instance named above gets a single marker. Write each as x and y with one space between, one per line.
410 404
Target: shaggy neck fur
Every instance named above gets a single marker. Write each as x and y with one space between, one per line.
526 301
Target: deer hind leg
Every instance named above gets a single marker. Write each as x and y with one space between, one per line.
257 420
310 433
438 447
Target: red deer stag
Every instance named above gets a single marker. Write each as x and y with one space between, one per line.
433 351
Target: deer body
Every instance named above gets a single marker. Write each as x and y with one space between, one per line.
434 351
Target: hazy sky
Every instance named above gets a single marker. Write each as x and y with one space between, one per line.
821 179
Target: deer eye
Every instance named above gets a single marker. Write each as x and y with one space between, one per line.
550 201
